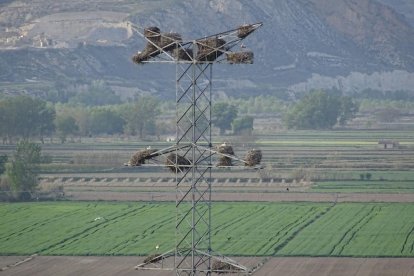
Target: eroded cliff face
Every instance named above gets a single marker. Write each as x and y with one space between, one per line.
403 7
373 26
300 39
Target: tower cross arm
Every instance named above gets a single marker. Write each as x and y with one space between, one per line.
171 48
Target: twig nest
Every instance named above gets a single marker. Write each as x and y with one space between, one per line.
183 54
166 41
244 30
226 149
152 258
245 57
140 156
222 267
253 157
224 160
177 163
169 41
210 49
153 34
149 51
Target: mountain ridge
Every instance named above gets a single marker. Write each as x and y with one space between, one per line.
300 40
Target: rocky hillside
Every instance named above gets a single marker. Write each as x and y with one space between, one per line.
303 44
403 7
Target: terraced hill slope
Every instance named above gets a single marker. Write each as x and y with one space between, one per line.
303 44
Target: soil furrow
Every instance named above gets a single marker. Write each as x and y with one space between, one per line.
295 233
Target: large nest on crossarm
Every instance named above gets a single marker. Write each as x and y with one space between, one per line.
152 258
149 51
182 54
153 34
210 49
177 163
225 161
169 41
244 30
165 41
245 57
140 157
253 157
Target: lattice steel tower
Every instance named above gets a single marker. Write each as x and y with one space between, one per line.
191 156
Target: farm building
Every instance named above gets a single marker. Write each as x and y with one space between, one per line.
388 144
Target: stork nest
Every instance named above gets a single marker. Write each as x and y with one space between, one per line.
253 157
210 49
140 156
244 30
177 163
149 51
165 41
183 54
223 267
225 161
169 41
153 34
153 258
245 57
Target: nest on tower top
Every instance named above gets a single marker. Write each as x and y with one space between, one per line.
253 157
245 57
225 161
148 52
166 41
169 41
182 54
210 49
177 163
140 157
153 34
244 30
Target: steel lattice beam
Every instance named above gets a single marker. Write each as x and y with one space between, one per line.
193 185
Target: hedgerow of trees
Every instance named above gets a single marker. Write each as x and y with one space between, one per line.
223 115
25 117
76 112
242 125
320 110
22 171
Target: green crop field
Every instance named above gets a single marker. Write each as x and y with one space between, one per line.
263 229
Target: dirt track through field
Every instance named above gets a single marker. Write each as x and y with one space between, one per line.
243 196
124 266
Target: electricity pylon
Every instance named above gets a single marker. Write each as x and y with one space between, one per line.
192 153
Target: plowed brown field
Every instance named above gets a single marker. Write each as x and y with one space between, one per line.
289 266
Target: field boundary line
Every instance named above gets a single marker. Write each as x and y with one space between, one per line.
28 259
